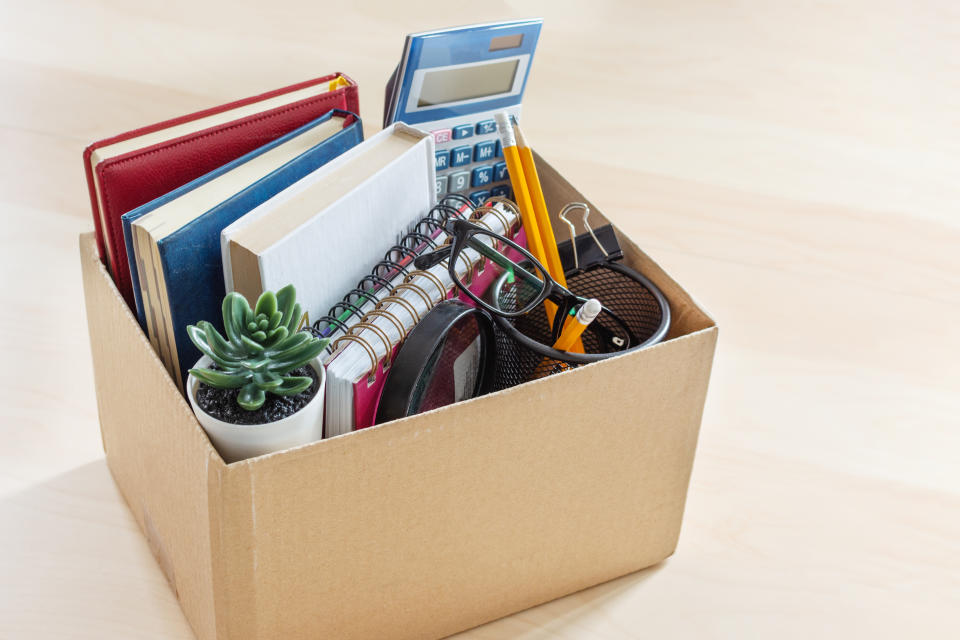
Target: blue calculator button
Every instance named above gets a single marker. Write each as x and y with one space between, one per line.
459 181
478 197
500 172
462 131
501 190
441 185
441 160
482 176
460 156
498 152
483 151
486 126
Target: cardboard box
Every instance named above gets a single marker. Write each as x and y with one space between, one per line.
421 527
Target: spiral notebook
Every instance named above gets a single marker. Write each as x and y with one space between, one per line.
369 324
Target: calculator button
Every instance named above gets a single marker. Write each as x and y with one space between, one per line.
482 176
486 126
441 160
462 131
460 156
478 197
441 185
500 172
501 190
459 181
483 151
498 152
441 135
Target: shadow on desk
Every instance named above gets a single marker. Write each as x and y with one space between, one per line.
75 564
565 617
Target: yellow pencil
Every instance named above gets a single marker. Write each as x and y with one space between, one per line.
522 196
571 332
520 193
542 216
547 239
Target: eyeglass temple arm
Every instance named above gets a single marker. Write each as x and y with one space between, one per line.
431 259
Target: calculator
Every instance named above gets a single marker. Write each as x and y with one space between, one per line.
451 82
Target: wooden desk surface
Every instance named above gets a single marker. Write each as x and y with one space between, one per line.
794 165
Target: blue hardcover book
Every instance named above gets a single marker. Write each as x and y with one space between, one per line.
173 242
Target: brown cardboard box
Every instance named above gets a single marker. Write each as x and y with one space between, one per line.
417 528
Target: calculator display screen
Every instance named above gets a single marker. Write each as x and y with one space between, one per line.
466 83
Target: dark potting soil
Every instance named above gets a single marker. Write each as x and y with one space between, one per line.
222 403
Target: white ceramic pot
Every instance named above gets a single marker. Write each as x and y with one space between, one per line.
239 441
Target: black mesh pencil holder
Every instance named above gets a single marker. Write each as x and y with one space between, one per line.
523 343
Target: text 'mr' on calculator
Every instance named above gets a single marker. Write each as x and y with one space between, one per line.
450 82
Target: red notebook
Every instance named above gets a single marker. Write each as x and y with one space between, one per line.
133 168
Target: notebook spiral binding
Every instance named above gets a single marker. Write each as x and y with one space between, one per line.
375 286
392 306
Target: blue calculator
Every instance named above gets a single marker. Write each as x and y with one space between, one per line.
450 82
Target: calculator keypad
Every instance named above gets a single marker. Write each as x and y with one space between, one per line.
469 155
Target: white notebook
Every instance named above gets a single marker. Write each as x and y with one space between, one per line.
323 233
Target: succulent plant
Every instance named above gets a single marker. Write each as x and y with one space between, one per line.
262 346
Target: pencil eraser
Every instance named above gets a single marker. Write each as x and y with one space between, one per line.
507 139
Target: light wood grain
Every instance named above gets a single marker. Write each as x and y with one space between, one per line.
794 165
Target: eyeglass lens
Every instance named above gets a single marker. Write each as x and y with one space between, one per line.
522 286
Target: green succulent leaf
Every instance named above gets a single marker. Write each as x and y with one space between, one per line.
299 350
275 320
259 336
251 397
266 304
219 344
219 379
201 341
251 326
274 337
292 385
286 298
254 348
297 357
235 308
293 325
267 381
289 341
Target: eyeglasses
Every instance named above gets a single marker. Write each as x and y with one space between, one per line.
525 284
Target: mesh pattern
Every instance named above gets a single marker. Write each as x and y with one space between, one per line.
625 296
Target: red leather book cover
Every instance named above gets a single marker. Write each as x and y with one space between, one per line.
135 178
